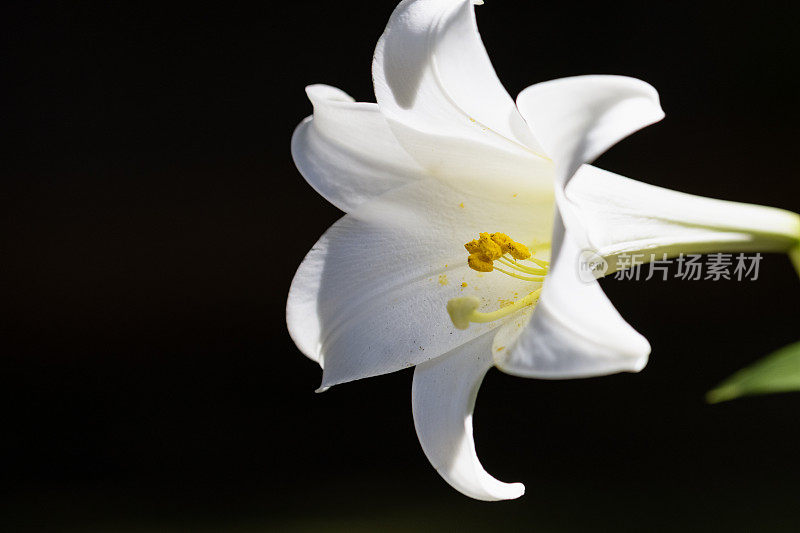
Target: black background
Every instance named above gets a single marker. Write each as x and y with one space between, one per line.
156 219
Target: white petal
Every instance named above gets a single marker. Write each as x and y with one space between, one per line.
579 118
346 150
574 330
371 296
620 215
437 88
443 397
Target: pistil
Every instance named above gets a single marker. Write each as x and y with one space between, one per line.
462 311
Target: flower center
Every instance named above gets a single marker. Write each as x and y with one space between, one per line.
483 253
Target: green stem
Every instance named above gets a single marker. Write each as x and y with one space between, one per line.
794 255
743 228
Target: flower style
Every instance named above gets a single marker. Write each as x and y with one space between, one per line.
446 160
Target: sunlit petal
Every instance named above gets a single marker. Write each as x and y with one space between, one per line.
443 397
573 332
371 296
347 152
579 118
621 215
436 86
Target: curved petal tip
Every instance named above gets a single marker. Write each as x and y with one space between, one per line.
443 397
580 117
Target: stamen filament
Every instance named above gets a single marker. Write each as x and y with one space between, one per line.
541 262
522 268
483 252
539 246
523 278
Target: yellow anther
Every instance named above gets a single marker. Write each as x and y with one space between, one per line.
502 240
519 251
508 246
479 262
483 252
491 247
486 246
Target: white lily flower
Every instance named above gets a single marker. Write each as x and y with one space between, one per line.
445 155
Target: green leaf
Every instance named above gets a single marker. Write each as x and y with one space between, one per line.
777 372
